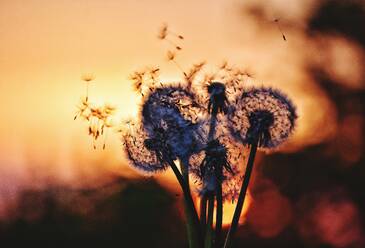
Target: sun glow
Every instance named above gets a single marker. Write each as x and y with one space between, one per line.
228 210
40 82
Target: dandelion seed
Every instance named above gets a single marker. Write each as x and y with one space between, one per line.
176 35
145 79
170 55
87 78
278 25
99 119
193 72
83 109
163 32
224 65
154 70
137 79
248 74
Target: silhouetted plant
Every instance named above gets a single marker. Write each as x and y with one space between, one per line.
201 125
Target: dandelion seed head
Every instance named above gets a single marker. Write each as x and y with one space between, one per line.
217 98
142 151
224 78
173 110
223 152
262 114
177 99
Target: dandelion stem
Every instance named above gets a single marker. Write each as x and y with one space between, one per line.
219 215
209 237
219 210
184 167
203 212
185 172
87 91
194 233
105 138
213 124
242 195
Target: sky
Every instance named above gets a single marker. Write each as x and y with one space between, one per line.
46 46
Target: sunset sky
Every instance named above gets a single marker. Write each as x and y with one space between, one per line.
46 46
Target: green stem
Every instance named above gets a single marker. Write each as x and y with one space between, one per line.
203 213
209 237
242 195
193 228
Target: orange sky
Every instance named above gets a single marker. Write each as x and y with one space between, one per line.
46 46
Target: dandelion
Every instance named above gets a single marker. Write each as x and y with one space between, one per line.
263 115
216 103
139 150
171 113
214 161
174 110
210 172
263 118
216 168
230 151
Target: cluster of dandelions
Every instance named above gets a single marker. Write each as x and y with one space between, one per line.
199 128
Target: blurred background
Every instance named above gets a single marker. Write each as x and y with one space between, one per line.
55 189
